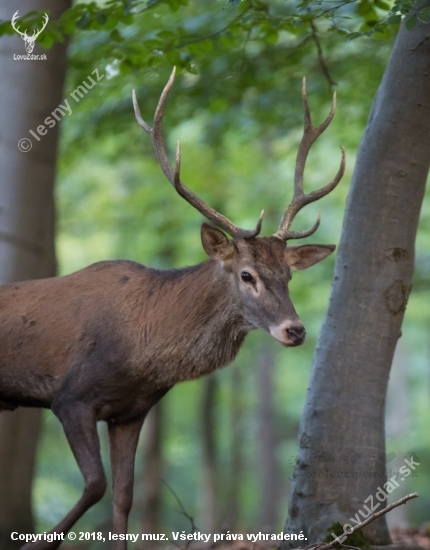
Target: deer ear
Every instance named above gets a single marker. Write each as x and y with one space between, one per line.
301 257
215 243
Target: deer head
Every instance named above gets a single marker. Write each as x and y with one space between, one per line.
29 40
258 268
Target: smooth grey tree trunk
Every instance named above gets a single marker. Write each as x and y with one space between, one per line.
342 429
209 510
267 463
29 92
237 463
152 476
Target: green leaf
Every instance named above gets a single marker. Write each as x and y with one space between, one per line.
394 19
174 5
205 46
272 37
125 67
382 5
46 40
115 35
354 35
425 11
101 17
69 26
424 18
112 22
364 7
127 7
424 15
166 35
84 21
6 28
411 22
127 19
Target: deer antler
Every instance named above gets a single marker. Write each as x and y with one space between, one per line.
156 135
300 199
36 32
16 29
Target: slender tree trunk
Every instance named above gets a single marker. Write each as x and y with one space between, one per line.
236 456
208 425
152 478
268 468
398 423
29 92
342 428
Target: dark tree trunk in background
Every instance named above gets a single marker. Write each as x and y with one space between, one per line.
208 427
153 466
29 92
268 468
154 427
236 453
342 428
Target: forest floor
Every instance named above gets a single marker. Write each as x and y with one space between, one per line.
415 535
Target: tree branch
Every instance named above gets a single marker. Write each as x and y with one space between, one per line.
320 54
333 9
212 34
182 511
336 542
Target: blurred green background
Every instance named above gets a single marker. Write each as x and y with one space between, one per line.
236 107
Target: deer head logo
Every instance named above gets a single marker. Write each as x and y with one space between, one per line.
29 40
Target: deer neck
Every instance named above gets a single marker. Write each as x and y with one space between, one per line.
220 328
205 328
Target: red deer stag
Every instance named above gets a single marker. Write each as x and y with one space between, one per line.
106 343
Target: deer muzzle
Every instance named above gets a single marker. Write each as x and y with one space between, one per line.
289 333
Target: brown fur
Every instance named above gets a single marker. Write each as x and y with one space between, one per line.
107 342
111 328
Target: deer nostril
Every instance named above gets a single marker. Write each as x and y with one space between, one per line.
296 334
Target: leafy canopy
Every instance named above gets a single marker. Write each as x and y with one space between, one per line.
237 22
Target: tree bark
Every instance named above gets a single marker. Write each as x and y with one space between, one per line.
268 467
153 466
233 515
29 92
208 427
341 458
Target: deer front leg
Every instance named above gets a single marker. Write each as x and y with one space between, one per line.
79 425
123 439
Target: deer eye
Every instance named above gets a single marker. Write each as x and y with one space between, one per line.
247 277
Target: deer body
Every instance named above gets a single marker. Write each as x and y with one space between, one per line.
153 329
107 342
136 342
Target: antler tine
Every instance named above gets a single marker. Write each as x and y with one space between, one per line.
13 20
156 135
156 132
300 199
37 32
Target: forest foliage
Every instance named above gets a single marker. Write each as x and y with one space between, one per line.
236 107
